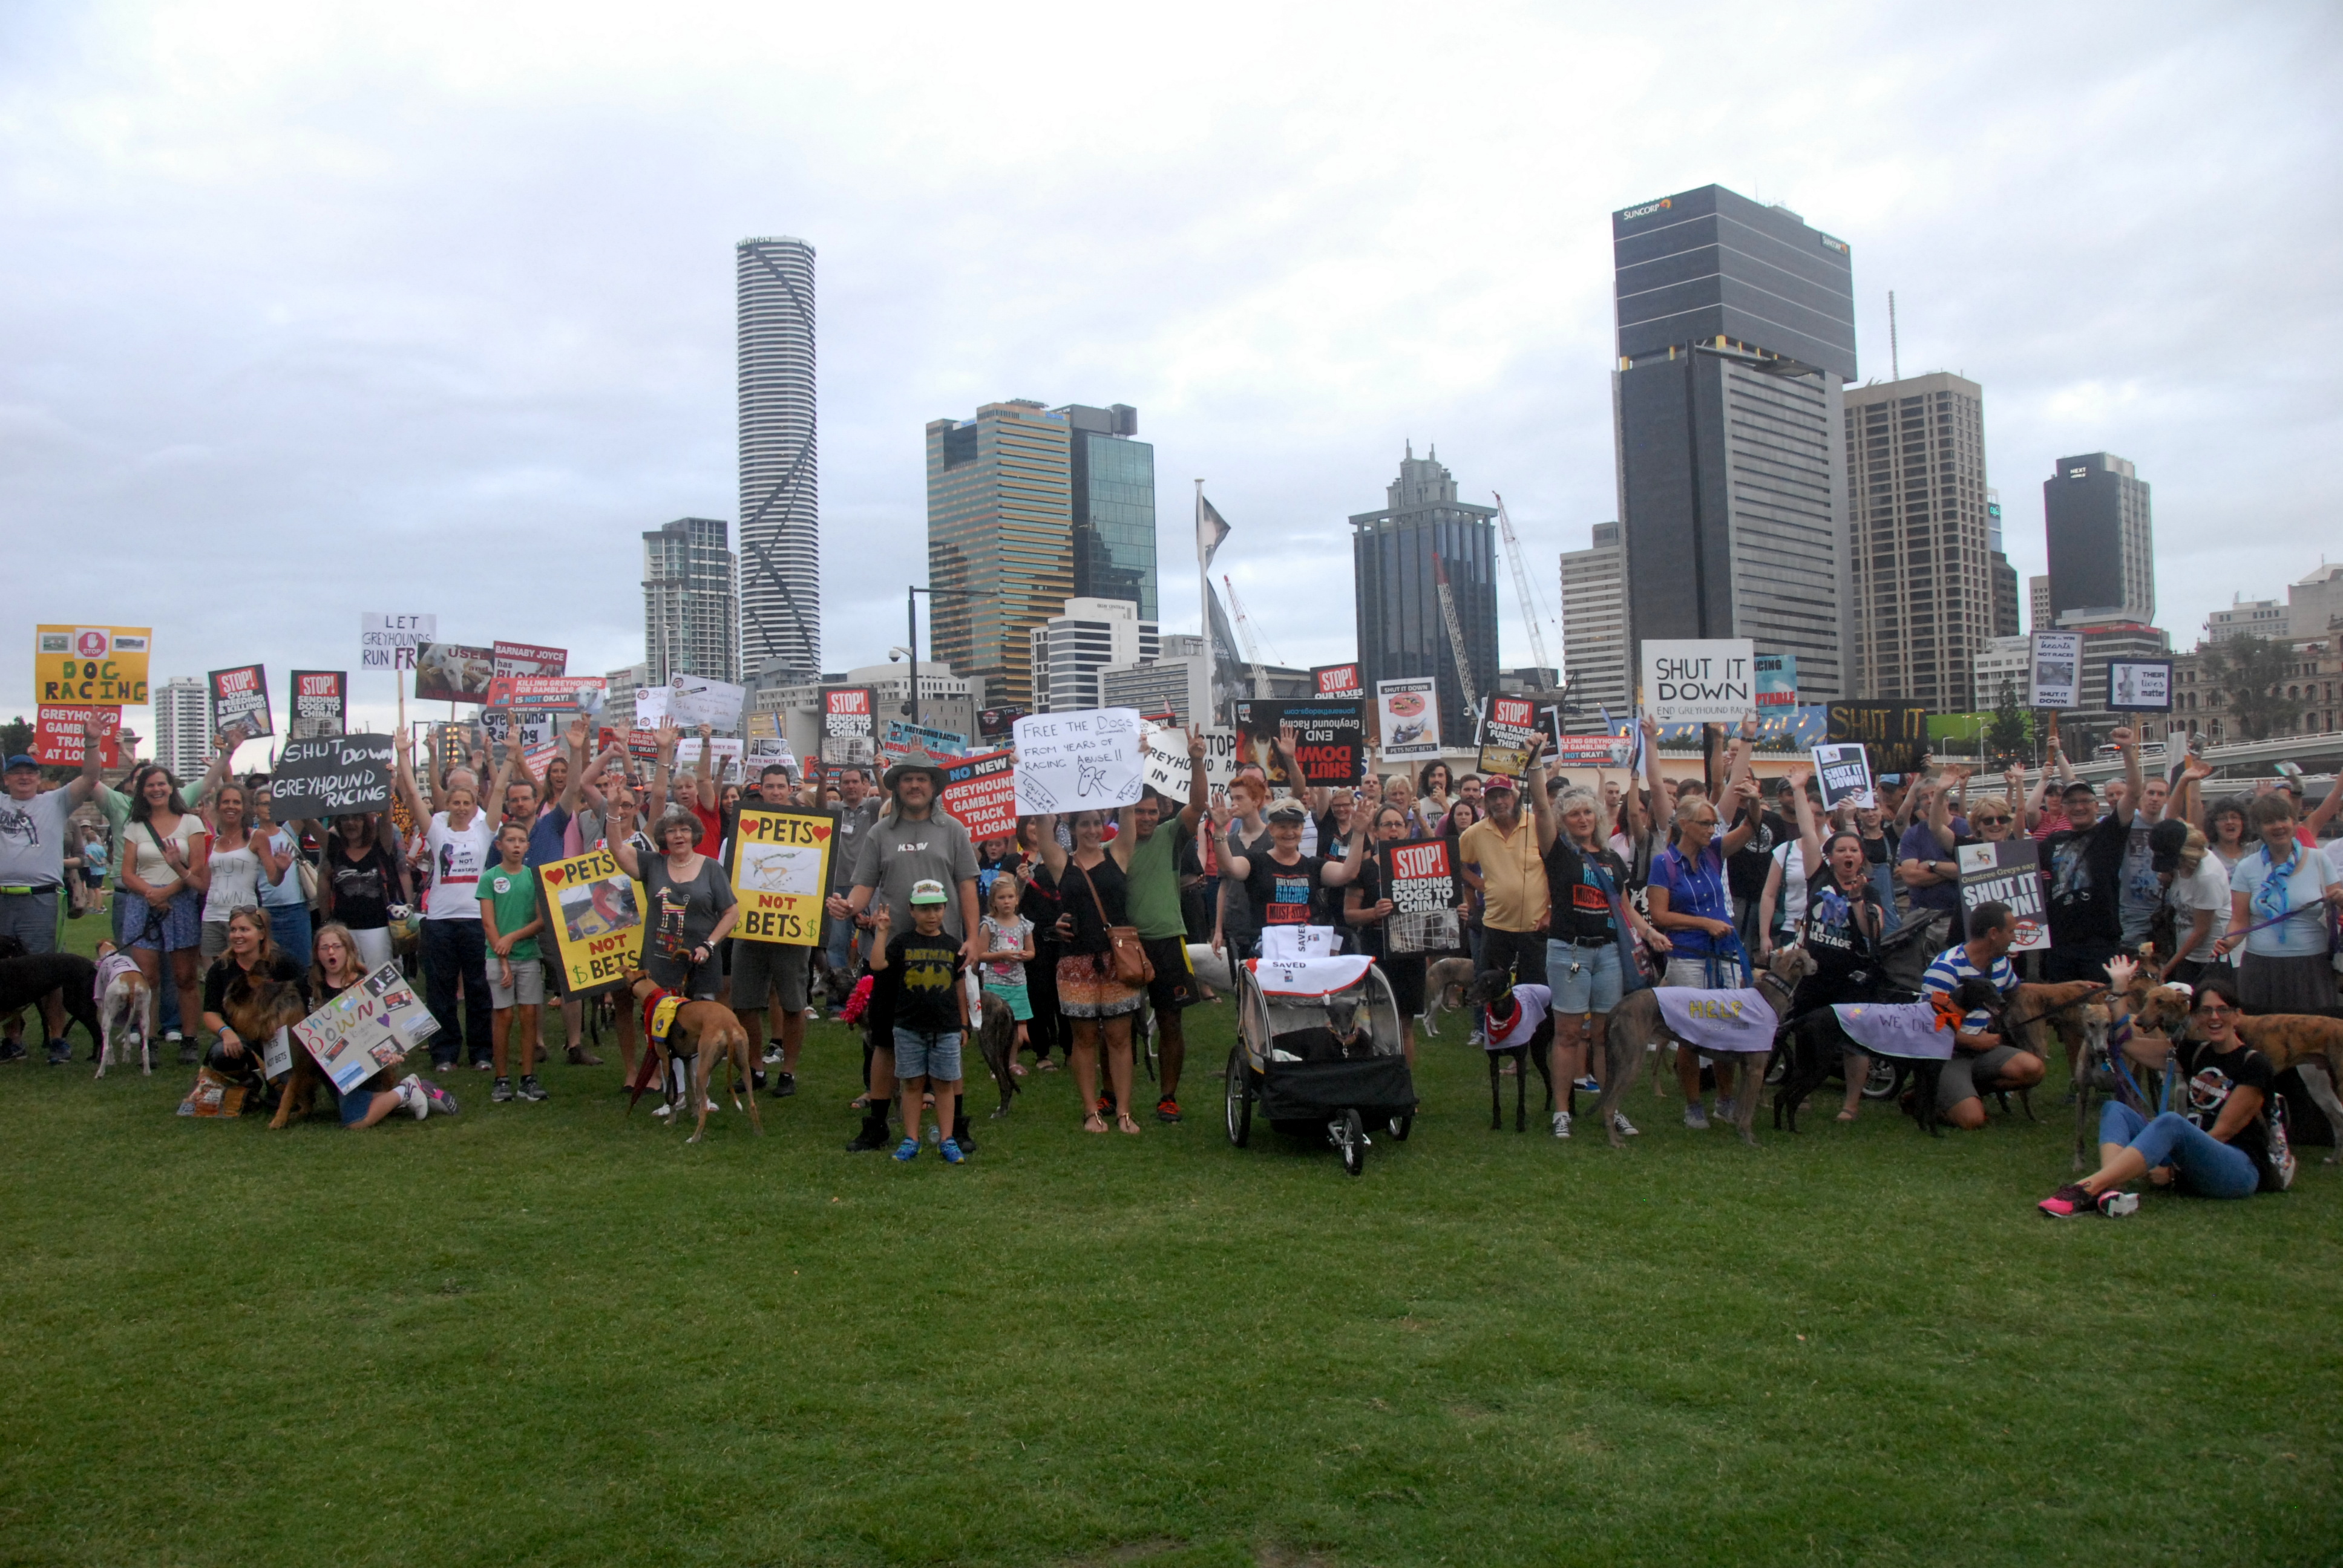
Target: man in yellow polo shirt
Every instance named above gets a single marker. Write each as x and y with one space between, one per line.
1500 858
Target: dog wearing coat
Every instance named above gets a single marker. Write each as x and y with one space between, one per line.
702 1031
123 998
1489 991
26 979
1636 1024
1818 1042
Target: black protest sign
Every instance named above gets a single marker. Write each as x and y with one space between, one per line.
331 776
1420 880
240 697
1509 726
1330 738
1844 773
2008 872
1895 734
320 703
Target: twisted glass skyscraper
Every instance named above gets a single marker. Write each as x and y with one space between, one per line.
781 511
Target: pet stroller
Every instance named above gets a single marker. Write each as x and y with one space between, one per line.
1318 1050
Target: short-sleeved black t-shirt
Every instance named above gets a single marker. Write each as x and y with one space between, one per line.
226 975
1084 891
1282 895
1579 890
2213 1076
1746 871
924 975
2085 869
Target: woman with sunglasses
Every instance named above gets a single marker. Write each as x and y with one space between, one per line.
2218 1147
1692 904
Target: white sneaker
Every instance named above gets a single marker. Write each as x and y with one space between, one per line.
1724 1111
1562 1124
1626 1128
663 1109
418 1104
772 1053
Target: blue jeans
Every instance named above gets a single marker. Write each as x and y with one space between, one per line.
836 953
921 1053
289 928
2208 1167
1585 979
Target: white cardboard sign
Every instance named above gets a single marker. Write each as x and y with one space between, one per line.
1700 680
1091 759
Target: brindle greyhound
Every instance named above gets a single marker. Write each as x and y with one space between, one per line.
1636 1023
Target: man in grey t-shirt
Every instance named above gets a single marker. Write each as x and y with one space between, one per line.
32 829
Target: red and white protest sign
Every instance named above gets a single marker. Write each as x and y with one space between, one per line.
583 692
981 793
58 738
320 704
527 659
240 697
1337 680
1592 750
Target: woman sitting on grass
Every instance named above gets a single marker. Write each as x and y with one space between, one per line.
336 965
2219 1148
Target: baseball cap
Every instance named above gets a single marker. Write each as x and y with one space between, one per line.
2166 840
20 761
1288 809
928 891
1497 781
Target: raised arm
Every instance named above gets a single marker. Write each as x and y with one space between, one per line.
1541 805
1338 873
1662 810
1200 781
703 775
1054 854
1810 831
402 747
1126 837
2135 784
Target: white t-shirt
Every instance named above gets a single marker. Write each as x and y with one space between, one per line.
235 881
33 838
1792 904
2207 889
457 858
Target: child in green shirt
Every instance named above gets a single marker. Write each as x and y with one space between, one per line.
510 922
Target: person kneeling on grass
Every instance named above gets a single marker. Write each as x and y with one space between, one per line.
922 966
2218 1148
510 921
1983 1061
334 966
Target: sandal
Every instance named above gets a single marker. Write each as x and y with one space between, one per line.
1125 1124
1847 1116
1046 1065
1018 1068
1093 1123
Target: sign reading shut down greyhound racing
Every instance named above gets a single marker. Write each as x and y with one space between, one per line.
1700 680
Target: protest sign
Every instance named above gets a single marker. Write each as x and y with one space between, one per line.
1508 725
2139 685
1089 759
766 751
101 665
331 776
1408 718
981 793
1894 734
62 732
2008 872
849 724
1330 738
533 731
1167 762
594 920
1700 680
693 700
390 641
453 672
2055 660
320 703
1420 883
1593 750
992 723
725 752
897 739
781 873
1777 680
240 697
371 1026
1844 773
1336 680
570 693
527 659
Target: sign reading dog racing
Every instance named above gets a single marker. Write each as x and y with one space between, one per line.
320 703
240 697
981 793
594 913
104 666
1421 887
332 776
1091 759
781 873
371 1026
2008 872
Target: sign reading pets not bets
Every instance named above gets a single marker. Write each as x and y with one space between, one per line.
594 916
781 873
104 666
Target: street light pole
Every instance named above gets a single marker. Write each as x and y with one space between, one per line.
911 620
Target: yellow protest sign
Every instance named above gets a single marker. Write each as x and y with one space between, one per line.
781 874
594 914
105 665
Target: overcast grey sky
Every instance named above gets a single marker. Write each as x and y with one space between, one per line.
311 310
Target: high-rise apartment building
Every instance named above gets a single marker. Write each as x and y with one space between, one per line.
1737 335
781 491
1398 558
1594 625
183 727
2038 604
1921 566
2094 509
1070 648
690 602
1028 508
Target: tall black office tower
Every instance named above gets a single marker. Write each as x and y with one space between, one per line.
1736 332
1398 558
2102 537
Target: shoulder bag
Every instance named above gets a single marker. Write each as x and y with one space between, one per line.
1129 954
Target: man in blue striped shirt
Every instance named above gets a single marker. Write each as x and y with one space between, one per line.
1982 1062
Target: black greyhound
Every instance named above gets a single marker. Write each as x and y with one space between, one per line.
1536 1051
1814 1042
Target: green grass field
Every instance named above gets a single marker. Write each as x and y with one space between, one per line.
550 1334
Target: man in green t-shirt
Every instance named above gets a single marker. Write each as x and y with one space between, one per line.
510 922
1154 904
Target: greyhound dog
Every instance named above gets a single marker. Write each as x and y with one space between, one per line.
1446 984
1818 1042
996 1036
2312 1043
702 1031
26 979
2041 1015
1635 1024
123 995
1535 1051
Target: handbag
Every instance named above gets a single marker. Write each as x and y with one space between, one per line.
1131 967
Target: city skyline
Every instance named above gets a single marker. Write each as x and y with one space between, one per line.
472 360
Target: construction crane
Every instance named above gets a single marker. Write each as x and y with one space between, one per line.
1456 635
1522 588
1244 631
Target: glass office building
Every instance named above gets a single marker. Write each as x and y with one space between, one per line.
1397 557
1113 494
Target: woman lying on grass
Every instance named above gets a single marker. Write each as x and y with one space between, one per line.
2219 1148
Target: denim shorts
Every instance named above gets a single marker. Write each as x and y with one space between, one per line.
934 1057
1585 979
